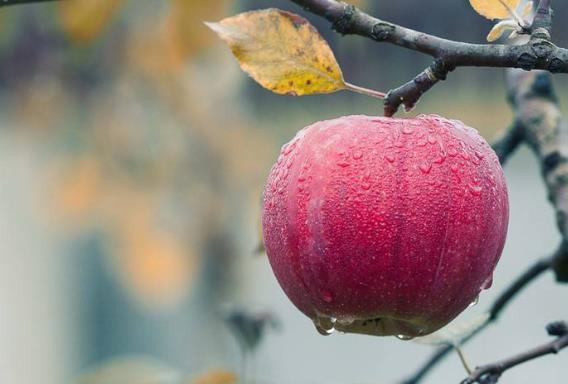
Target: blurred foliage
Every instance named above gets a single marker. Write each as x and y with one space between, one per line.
216 377
134 369
131 370
83 20
124 98
154 140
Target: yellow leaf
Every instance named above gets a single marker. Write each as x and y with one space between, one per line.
494 9
216 377
83 20
129 369
500 28
282 51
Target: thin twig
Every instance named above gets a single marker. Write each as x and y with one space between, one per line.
544 131
493 371
495 311
5 3
409 94
508 142
538 123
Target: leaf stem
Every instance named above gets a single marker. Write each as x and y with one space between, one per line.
364 91
463 359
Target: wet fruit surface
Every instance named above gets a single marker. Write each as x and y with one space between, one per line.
385 226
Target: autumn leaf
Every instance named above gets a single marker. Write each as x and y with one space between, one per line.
129 369
494 9
216 377
515 24
81 188
500 28
284 53
83 20
155 266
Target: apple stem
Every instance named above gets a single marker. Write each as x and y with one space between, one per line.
365 91
463 359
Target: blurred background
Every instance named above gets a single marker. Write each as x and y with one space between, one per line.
133 153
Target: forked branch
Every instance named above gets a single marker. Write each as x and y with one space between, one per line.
538 53
516 287
490 373
539 124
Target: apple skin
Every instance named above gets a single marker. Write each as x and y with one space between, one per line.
385 226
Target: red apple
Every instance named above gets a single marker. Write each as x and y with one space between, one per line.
385 226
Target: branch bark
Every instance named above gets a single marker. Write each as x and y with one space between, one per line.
538 123
490 373
545 131
538 53
5 3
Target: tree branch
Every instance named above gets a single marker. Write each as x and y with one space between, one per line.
544 130
508 142
538 123
495 311
5 3
542 23
490 374
409 94
538 53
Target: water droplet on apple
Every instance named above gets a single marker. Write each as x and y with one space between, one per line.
326 296
407 130
325 325
425 168
288 148
343 164
475 190
479 155
324 331
474 302
487 283
404 337
432 139
357 155
366 186
390 157
440 159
